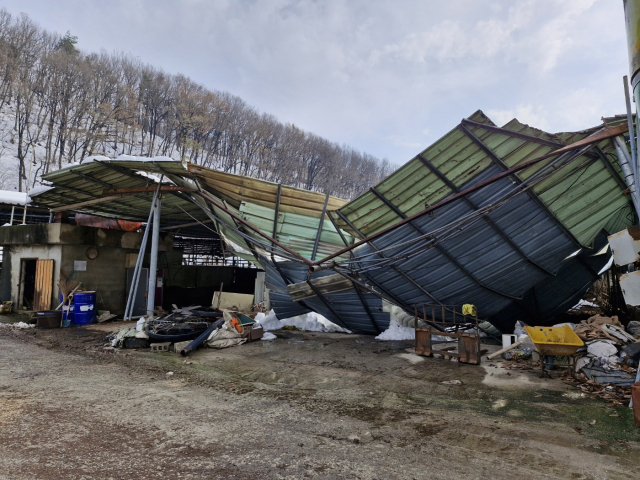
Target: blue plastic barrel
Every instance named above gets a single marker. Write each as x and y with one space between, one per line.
84 310
67 312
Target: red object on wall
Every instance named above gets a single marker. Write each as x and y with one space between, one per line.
108 223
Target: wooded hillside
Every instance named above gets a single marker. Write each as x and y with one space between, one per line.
60 105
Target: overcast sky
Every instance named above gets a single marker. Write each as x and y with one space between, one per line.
386 77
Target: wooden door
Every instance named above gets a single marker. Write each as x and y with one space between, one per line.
44 284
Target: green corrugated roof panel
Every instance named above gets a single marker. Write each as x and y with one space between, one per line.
92 178
583 195
414 185
297 232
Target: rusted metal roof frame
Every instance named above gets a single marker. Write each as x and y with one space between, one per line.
397 269
511 133
441 249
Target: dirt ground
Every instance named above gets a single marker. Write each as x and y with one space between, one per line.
306 405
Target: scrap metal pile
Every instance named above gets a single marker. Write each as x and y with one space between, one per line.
604 364
185 330
180 325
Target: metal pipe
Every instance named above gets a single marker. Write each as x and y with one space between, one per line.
632 140
133 291
153 261
625 165
201 338
13 209
625 162
319 233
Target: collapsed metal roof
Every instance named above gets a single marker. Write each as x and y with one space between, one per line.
508 218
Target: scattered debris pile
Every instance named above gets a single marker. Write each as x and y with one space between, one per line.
180 325
611 354
618 395
605 366
186 329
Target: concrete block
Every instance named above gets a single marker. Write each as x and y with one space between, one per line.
160 347
178 347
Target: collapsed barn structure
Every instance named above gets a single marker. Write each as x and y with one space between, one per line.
510 219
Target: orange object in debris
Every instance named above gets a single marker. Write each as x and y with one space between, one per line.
635 396
235 323
109 223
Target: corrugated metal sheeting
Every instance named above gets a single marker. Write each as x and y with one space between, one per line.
582 202
519 246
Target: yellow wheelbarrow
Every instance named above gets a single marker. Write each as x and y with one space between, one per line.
555 342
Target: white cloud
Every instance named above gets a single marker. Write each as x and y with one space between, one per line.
371 73
528 114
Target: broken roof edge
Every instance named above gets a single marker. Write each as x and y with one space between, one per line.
194 168
480 117
584 142
104 159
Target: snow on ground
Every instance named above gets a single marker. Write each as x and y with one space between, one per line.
311 322
399 328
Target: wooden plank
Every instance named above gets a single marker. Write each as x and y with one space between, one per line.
325 285
44 283
237 301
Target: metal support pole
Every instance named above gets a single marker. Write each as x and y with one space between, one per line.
153 261
627 171
24 215
13 210
632 137
133 291
319 233
135 280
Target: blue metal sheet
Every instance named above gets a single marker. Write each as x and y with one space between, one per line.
349 309
488 271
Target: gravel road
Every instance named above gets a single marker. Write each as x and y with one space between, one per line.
306 405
